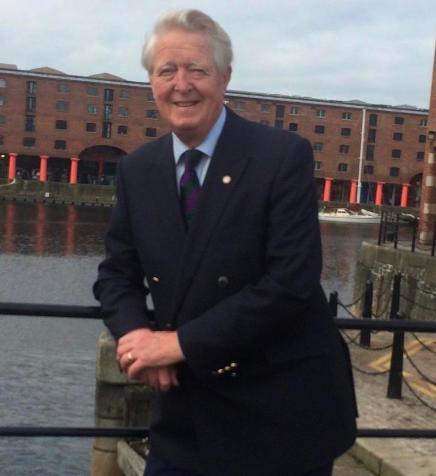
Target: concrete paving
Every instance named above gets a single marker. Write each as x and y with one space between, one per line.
395 456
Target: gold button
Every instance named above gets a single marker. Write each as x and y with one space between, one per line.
155 279
227 179
222 281
168 325
234 374
220 371
233 365
227 368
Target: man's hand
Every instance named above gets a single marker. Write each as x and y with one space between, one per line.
159 378
142 350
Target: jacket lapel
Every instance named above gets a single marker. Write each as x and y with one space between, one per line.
225 171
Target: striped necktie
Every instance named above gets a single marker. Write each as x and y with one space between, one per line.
189 184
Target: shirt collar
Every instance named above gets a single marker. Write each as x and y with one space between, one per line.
209 143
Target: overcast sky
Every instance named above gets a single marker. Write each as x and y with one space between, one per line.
379 51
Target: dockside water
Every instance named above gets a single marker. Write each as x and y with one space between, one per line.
49 254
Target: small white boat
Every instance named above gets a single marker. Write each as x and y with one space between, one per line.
344 215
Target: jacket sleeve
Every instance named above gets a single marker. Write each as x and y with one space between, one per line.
120 284
255 316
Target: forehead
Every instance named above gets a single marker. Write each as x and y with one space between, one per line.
177 45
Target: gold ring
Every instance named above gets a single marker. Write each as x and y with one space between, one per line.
130 357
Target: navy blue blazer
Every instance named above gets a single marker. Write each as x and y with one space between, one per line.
266 387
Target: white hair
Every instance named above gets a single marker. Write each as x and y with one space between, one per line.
192 21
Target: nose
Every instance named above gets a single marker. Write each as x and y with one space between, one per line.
182 81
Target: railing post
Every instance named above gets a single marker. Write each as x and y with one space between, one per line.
397 227
380 228
365 334
395 300
333 303
396 369
415 227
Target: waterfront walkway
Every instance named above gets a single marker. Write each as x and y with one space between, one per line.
393 456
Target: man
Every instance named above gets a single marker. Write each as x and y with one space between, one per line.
220 218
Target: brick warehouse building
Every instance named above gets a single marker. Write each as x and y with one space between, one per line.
427 212
59 127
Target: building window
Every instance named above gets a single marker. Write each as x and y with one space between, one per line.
372 133
294 110
62 106
124 94
30 104
31 87
345 131
122 130
423 122
369 152
29 141
317 146
396 153
2 83
107 130
398 136
2 140
123 112
368 169
2 119
108 94
107 112
317 165
394 171
280 111
344 149
373 120
63 88
91 127
278 123
149 96
422 138
293 126
264 107
152 113
399 120
2 100
61 124
420 155
151 132
92 91
264 122
92 109
60 144
319 129
342 167
321 113
30 124
239 105
346 116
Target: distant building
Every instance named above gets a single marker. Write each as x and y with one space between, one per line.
428 203
60 127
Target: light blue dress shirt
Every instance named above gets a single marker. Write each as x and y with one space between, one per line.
207 147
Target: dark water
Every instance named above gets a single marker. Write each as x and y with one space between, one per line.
47 373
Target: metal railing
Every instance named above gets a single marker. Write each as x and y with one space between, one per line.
92 312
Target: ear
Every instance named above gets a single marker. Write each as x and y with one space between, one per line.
227 76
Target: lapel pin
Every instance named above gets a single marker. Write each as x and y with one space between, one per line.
227 179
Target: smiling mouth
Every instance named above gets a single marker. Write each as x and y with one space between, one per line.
185 103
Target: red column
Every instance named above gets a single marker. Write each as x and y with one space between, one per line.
353 191
100 167
327 189
404 194
73 170
43 168
12 172
379 193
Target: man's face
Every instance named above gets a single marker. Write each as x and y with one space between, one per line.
187 86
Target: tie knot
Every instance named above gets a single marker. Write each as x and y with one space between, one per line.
191 157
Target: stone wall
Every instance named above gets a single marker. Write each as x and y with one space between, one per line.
418 282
